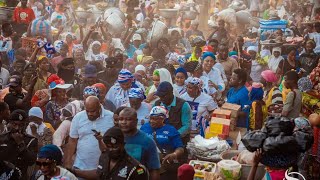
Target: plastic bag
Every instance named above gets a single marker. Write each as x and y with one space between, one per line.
229 16
41 27
281 143
243 17
277 125
304 138
254 140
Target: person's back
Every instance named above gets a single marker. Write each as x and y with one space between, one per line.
142 148
293 103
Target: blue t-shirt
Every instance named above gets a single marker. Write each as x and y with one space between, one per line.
132 49
143 149
241 97
168 138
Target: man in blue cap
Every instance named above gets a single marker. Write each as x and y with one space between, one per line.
180 113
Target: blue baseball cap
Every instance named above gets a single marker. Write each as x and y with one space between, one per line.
164 88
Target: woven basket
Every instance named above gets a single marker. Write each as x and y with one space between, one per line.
29 44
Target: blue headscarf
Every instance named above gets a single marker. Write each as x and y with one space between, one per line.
256 94
124 76
51 152
136 93
208 54
182 70
91 91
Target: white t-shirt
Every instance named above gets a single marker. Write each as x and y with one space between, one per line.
4 76
143 113
206 103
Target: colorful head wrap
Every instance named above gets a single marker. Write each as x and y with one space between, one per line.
159 111
269 76
77 47
91 91
124 76
196 82
51 152
208 54
100 86
233 53
53 80
207 49
57 45
305 84
181 70
136 93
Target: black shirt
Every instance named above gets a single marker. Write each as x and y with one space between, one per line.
126 168
12 99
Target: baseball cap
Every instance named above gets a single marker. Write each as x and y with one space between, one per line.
164 88
136 37
18 115
90 71
113 136
15 81
36 112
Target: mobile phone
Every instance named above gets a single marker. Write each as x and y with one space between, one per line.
95 131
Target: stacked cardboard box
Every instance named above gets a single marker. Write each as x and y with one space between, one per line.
218 127
234 108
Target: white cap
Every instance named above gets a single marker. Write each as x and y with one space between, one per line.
136 37
140 68
36 112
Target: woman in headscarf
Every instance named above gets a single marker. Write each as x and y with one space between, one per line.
107 104
118 93
168 141
273 94
275 59
309 59
94 53
180 77
58 100
60 136
136 97
43 66
202 104
257 66
49 161
159 75
258 111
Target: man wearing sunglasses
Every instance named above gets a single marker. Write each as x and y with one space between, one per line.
26 146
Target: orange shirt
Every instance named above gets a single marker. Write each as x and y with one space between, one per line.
23 15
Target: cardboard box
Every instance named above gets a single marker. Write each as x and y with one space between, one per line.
209 134
234 108
219 125
221 113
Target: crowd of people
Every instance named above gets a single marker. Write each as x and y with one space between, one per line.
85 103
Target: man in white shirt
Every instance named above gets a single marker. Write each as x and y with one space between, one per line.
4 75
84 127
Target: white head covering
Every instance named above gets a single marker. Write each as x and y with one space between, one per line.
164 76
140 68
276 49
252 48
89 53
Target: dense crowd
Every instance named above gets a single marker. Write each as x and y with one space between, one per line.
91 100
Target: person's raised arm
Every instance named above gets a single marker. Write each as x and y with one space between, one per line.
86 38
26 101
256 160
127 40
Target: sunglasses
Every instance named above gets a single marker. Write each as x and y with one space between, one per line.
44 164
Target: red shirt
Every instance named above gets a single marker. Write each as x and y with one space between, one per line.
23 15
